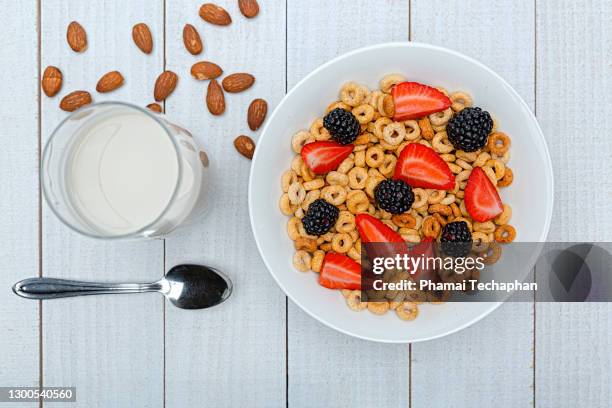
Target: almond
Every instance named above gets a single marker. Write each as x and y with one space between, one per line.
248 8
238 82
215 14
75 100
205 70
77 37
51 81
245 146
142 37
257 113
215 100
109 82
165 84
192 40
155 107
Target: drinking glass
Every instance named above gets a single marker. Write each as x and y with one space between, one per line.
115 170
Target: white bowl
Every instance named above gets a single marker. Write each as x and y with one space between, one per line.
531 194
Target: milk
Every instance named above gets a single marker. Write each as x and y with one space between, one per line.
122 172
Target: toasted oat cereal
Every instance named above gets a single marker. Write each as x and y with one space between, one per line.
383 129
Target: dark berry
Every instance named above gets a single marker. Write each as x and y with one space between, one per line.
342 126
394 196
456 239
469 129
320 217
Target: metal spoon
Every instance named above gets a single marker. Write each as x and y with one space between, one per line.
186 286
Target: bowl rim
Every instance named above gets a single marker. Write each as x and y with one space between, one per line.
548 173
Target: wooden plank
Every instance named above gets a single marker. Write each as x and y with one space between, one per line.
109 347
574 363
232 355
327 368
493 357
19 342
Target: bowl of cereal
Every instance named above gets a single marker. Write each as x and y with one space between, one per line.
398 142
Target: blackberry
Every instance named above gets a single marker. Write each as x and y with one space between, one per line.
342 126
456 239
320 217
469 129
394 196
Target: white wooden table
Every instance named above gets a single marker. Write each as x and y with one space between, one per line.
259 349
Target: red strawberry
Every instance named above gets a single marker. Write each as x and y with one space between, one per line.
481 198
373 230
420 166
340 272
323 157
413 100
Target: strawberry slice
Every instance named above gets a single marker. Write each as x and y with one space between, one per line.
420 166
374 230
482 200
340 272
414 100
324 156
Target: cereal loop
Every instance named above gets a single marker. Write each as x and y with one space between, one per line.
492 255
353 300
426 129
404 220
407 311
300 139
341 243
431 227
389 80
357 202
335 195
505 216
460 100
357 178
420 197
345 222
302 261
374 156
498 143
441 118
505 234
317 260
364 113
352 94
413 131
441 144
507 179
296 193
285 205
334 178
378 308
394 133
318 131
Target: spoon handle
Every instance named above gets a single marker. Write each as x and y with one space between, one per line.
51 288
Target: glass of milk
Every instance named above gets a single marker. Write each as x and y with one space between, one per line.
115 170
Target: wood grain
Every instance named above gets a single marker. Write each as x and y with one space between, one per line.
19 325
327 368
574 88
109 347
502 343
232 355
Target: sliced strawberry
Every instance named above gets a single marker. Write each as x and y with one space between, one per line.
323 157
340 272
420 166
374 230
414 100
482 201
